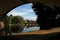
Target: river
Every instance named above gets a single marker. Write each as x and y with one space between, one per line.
31 29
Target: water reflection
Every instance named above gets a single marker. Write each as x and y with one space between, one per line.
31 29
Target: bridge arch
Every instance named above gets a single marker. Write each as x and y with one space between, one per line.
15 7
8 5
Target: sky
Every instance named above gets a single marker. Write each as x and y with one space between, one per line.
25 11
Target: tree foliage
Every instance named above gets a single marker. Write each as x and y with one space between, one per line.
15 23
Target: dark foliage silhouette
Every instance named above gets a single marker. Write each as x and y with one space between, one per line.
47 15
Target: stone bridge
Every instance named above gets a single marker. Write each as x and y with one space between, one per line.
8 5
31 25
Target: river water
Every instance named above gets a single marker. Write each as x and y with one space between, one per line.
31 29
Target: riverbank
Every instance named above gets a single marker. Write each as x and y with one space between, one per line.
51 36
53 30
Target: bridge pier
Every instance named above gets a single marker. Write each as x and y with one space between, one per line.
2 24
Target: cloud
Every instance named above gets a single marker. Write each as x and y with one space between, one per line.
21 10
15 13
24 11
31 18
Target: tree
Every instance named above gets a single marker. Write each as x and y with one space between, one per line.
15 23
7 22
18 23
